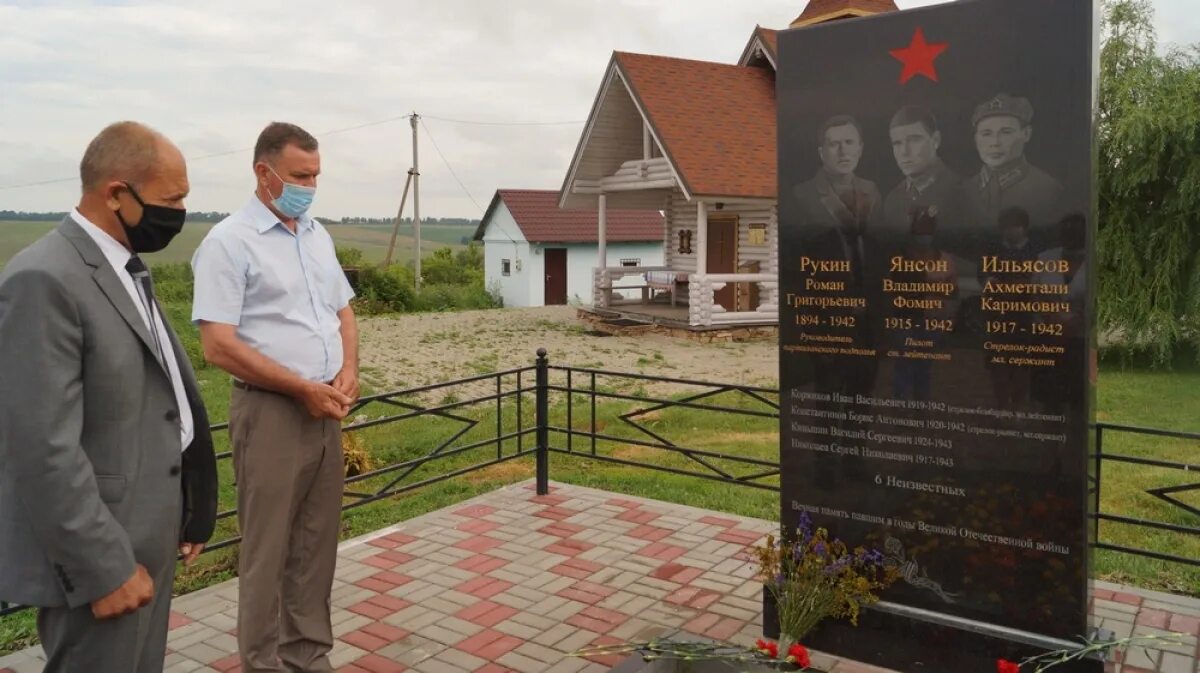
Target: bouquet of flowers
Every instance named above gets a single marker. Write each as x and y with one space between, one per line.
813 577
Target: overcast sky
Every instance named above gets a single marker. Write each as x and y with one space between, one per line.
211 73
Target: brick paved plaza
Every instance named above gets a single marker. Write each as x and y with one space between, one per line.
511 581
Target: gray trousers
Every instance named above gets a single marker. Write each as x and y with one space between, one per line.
76 642
290 477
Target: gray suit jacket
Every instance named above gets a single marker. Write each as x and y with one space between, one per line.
92 480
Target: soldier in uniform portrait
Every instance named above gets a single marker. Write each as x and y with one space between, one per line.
1003 127
839 213
929 188
837 206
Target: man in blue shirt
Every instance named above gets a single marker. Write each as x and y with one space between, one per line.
274 311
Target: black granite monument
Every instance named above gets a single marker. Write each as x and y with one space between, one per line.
937 216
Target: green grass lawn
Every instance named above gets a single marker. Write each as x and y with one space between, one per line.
1169 400
371 239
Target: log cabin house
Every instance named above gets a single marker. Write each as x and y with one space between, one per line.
695 139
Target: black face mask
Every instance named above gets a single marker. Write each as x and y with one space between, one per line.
159 224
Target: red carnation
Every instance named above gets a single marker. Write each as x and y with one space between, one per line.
798 655
767 647
1006 666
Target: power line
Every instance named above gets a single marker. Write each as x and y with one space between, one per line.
474 122
450 168
225 153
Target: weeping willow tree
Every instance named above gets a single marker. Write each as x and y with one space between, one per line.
1149 184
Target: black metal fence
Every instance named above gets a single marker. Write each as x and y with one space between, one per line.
472 440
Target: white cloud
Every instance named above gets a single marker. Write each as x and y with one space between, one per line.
211 73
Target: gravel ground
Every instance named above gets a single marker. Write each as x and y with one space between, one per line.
420 349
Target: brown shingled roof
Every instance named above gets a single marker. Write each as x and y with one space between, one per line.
716 121
770 38
817 9
537 213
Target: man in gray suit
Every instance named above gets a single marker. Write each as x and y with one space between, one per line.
106 463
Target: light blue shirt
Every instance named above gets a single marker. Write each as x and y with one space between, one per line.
281 289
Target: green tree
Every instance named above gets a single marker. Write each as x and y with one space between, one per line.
1149 184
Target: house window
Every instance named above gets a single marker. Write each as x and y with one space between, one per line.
757 234
506 267
632 261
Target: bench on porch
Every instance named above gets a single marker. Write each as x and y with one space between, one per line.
667 281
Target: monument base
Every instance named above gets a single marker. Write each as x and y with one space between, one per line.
911 645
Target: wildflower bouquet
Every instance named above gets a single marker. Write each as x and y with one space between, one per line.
813 577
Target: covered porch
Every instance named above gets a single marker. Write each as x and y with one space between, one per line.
719 237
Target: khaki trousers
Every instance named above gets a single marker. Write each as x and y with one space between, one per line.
290 475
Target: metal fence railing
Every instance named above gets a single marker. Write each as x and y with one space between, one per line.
470 440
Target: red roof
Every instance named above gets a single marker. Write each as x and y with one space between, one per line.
820 8
716 121
770 38
537 213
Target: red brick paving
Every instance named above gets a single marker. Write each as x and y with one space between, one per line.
674 572
661 551
1153 618
388 632
486 613
607 659
649 533
717 521
174 621
562 529
692 597
743 537
479 544
1185 624
638 516
231 663
477 527
570 547
582 604
551 500
1128 599
483 587
481 564
598 620
369 608
475 511
365 641
373 663
556 513
586 592
489 644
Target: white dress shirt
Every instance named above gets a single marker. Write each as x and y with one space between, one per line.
283 289
118 257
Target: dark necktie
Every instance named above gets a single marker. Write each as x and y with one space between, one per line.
141 277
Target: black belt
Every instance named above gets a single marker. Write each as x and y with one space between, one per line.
238 383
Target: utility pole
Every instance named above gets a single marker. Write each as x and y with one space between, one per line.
416 183
387 261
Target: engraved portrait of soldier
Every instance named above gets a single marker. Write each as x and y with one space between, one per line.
929 188
1003 131
836 207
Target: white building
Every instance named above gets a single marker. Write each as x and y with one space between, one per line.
537 254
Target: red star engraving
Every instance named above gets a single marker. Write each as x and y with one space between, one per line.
918 57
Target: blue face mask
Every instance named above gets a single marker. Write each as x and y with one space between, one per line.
294 200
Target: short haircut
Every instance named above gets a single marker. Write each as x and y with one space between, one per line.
836 121
279 135
913 114
122 151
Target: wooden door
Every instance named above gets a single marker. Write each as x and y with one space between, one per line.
722 256
556 276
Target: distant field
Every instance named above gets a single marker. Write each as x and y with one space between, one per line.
371 239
